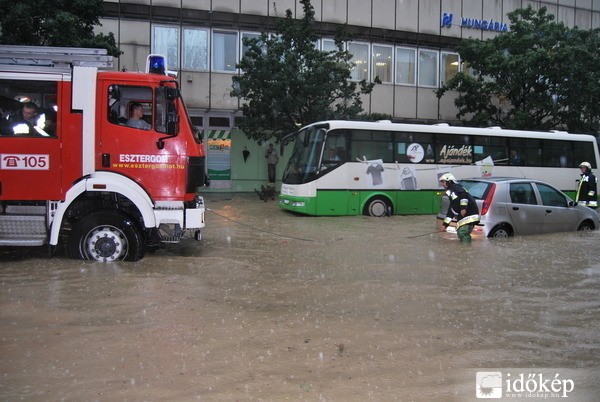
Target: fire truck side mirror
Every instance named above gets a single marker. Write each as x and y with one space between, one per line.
171 93
115 92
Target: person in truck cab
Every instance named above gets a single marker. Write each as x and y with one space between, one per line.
136 114
25 121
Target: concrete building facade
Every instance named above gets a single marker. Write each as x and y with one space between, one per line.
409 44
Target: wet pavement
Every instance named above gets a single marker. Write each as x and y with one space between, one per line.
276 306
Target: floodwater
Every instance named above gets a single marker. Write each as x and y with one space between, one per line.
275 306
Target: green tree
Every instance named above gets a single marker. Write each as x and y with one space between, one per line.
287 82
539 75
54 23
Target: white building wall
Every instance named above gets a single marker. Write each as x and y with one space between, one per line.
228 6
196 4
334 11
384 12
359 13
429 16
454 7
407 15
406 23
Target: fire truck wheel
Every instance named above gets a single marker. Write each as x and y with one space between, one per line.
106 236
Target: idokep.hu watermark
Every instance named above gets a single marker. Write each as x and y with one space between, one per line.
525 383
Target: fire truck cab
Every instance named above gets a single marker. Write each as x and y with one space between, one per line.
101 162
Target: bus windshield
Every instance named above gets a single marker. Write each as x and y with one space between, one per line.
303 164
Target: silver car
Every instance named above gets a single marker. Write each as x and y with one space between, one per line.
510 206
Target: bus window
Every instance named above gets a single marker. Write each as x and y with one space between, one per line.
454 149
584 152
528 149
405 142
335 147
370 145
493 147
557 153
334 151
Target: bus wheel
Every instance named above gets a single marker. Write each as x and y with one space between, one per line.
106 236
377 206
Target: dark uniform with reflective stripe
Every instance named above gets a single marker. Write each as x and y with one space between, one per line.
460 199
586 192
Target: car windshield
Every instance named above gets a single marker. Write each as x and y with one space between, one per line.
477 189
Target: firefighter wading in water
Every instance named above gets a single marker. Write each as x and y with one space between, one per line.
586 192
462 207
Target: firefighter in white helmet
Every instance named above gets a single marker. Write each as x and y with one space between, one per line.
462 207
587 193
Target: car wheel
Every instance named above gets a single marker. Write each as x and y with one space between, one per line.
586 225
377 206
501 231
106 236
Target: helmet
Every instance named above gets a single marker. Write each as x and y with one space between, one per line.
586 164
447 177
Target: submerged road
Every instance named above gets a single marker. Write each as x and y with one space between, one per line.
275 306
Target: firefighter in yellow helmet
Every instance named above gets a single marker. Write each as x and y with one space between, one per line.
587 193
462 207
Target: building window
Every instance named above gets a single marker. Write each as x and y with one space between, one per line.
214 121
466 69
328 45
382 63
449 65
406 66
428 68
195 49
165 41
197 121
360 58
224 50
249 35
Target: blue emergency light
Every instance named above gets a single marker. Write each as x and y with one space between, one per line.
156 64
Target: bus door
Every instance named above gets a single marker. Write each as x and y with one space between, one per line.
334 164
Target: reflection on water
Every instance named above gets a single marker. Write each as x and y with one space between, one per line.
337 308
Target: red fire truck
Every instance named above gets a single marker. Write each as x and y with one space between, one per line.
104 163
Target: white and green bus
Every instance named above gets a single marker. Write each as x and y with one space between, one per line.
382 168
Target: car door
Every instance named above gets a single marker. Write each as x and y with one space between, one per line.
558 217
526 214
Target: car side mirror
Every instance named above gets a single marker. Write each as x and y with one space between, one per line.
572 203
